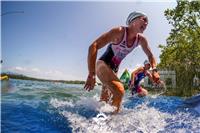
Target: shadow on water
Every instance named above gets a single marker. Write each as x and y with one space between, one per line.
134 101
31 119
193 103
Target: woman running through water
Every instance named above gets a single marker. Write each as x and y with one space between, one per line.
136 77
122 40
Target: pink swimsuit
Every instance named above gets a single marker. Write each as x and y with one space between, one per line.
115 53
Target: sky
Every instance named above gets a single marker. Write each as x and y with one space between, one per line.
50 40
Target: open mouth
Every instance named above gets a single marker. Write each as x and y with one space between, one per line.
142 28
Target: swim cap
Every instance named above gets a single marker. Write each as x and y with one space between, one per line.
133 16
146 62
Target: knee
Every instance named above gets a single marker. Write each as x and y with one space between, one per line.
143 93
146 93
122 91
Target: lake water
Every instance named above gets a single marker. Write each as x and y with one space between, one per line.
42 107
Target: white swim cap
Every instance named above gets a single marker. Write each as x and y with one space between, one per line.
133 16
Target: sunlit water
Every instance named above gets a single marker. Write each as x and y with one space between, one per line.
41 107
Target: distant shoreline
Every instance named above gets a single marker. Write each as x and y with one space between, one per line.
23 77
169 92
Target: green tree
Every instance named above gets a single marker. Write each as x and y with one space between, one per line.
182 52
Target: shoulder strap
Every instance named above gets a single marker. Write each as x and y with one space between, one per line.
125 34
136 42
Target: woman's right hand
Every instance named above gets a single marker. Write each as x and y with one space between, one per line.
90 83
155 76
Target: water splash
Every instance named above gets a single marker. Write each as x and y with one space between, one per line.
45 107
148 115
160 88
127 121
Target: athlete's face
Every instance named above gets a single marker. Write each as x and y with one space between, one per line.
140 24
143 23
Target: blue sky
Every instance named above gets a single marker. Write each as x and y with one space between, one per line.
51 39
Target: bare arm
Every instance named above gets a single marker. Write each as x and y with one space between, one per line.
136 71
139 69
112 36
150 76
147 50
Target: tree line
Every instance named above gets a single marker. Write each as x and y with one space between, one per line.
182 52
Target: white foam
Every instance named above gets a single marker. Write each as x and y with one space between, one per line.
141 119
191 123
58 103
82 125
94 104
88 103
104 107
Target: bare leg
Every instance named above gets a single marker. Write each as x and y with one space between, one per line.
105 96
109 78
143 92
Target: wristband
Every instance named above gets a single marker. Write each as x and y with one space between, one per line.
92 76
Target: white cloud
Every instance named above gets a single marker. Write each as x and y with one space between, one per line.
42 73
35 70
19 68
53 72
